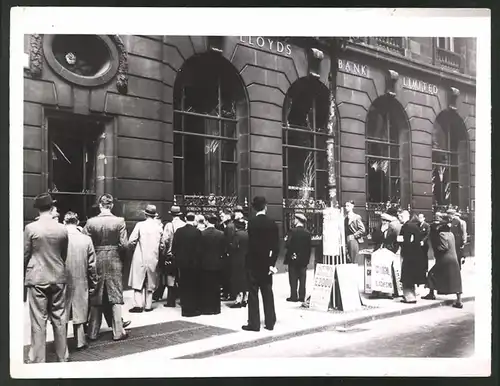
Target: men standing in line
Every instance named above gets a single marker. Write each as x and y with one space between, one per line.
297 256
109 235
45 251
263 248
425 230
169 269
186 251
82 277
227 226
354 231
414 266
213 249
459 230
146 239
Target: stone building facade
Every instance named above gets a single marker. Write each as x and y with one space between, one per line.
208 122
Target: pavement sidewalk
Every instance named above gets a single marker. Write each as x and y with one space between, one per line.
293 320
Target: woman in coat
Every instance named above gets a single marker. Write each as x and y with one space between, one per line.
238 258
444 277
415 264
146 239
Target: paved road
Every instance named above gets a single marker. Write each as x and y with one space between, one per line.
443 332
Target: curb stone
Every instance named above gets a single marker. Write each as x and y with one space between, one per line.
342 324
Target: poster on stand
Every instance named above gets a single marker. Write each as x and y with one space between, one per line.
396 273
333 232
381 272
323 285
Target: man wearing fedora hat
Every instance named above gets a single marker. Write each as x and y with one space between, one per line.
168 268
146 239
297 256
45 251
263 248
109 235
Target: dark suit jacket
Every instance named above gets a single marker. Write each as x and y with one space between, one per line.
263 238
186 247
45 251
425 230
213 249
388 240
298 242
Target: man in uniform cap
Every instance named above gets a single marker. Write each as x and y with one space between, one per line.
109 235
297 256
45 251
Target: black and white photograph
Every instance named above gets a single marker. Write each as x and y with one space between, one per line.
183 194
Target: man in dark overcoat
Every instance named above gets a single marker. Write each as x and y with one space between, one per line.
226 225
186 251
297 256
414 266
109 236
45 251
425 230
263 249
213 248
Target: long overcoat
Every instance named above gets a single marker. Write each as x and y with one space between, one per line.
146 238
81 274
109 235
444 276
238 256
415 264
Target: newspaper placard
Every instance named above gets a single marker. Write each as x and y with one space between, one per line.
322 289
333 222
368 272
348 287
382 271
396 272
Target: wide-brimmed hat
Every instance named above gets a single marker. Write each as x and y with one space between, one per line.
301 217
451 211
150 210
175 210
43 200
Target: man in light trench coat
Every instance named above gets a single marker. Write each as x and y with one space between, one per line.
145 238
82 277
109 235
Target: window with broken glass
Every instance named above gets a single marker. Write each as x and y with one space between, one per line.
205 130
73 149
382 157
305 165
445 166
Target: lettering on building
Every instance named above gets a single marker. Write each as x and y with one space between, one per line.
353 68
270 44
420 86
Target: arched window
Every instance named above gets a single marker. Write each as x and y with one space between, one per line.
305 167
209 107
450 162
383 152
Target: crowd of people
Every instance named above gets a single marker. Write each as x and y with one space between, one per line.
74 273
412 236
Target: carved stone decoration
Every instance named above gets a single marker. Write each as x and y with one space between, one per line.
216 43
390 84
36 55
330 147
453 94
122 74
315 57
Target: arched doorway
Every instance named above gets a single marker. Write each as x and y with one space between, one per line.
210 118
305 163
387 158
450 163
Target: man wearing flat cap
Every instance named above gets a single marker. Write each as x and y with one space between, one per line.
109 235
170 272
145 241
45 251
297 256
263 248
